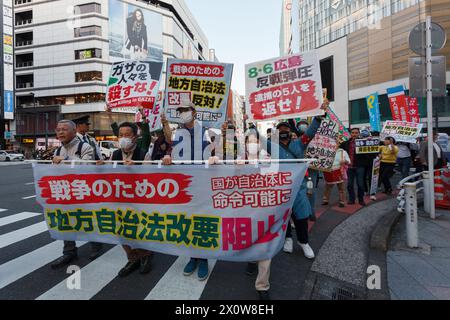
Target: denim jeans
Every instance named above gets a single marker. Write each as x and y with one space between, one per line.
358 175
404 165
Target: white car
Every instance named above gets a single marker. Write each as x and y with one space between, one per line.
107 148
11 156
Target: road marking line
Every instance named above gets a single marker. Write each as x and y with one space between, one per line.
16 269
30 197
18 217
22 234
175 286
29 183
94 277
3 210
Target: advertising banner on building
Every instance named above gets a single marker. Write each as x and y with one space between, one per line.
414 109
401 131
135 32
399 104
365 146
324 145
215 213
7 82
374 112
283 88
133 84
205 84
375 176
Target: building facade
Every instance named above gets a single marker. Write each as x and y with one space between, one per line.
64 49
371 38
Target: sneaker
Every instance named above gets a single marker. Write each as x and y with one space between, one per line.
264 295
373 198
288 245
307 251
190 267
203 270
251 268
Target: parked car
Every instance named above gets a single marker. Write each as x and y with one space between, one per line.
11 156
107 148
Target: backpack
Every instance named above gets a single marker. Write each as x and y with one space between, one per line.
78 153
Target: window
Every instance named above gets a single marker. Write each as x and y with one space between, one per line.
88 8
88 76
88 54
87 31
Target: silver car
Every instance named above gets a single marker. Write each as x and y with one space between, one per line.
11 156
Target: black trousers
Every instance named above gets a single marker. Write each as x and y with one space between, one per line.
386 173
301 228
70 247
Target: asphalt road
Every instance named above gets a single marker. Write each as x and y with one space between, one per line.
26 251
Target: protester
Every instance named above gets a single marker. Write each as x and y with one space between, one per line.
404 158
129 153
357 168
161 142
336 177
368 163
190 129
438 154
72 149
82 133
302 210
388 157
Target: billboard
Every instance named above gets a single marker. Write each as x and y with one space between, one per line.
135 33
7 83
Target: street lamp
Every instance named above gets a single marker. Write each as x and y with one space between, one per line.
35 120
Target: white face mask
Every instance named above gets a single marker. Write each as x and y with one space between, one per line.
252 148
186 117
125 143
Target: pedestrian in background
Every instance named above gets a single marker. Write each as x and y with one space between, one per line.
388 159
438 154
336 177
404 158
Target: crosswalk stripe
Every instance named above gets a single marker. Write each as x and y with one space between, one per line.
175 286
13 270
94 277
22 234
18 217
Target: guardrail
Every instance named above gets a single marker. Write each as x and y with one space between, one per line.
410 188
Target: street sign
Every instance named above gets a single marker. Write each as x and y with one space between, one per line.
418 80
8 135
417 38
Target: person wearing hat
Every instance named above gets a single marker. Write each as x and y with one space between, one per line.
295 149
82 134
388 157
190 132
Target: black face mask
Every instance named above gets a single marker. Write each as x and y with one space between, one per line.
285 135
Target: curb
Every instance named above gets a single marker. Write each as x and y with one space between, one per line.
321 286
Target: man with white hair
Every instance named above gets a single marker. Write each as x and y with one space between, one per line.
72 149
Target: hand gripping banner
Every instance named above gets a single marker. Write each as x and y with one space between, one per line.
231 213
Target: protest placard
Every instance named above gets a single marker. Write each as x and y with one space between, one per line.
398 103
375 176
205 84
414 109
324 145
282 88
153 115
216 213
401 131
133 84
366 146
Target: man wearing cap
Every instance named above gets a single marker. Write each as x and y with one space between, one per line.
82 133
191 132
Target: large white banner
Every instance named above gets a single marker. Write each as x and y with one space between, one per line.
232 213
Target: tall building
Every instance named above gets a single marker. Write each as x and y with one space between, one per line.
365 44
64 49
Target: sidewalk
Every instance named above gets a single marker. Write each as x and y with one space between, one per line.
422 273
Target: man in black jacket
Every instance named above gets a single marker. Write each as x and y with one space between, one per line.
129 152
357 168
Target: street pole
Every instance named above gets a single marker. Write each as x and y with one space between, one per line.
46 130
430 120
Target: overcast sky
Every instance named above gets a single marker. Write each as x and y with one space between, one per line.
241 31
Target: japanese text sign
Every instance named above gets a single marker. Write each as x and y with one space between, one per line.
282 88
216 213
375 176
374 112
205 84
133 83
399 104
414 110
364 146
402 131
324 145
